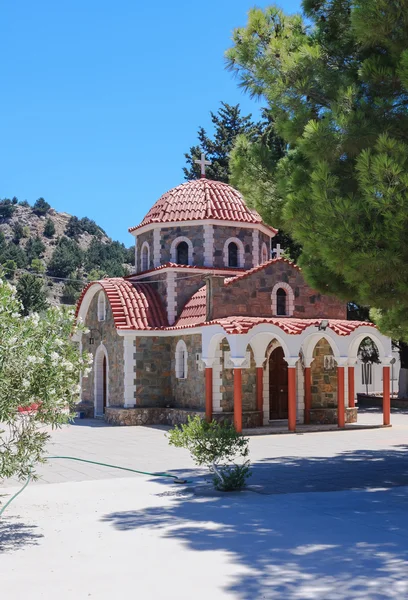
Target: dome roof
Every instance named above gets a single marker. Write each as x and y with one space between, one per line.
200 199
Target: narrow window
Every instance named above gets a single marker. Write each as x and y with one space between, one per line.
101 307
181 360
264 253
232 255
182 253
281 302
145 258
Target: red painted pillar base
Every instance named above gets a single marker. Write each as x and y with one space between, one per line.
292 398
351 390
208 394
386 396
308 394
238 400
259 390
341 420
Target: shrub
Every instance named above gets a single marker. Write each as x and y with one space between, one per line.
10 267
31 293
7 208
26 231
18 233
35 248
24 203
49 228
215 445
73 229
37 265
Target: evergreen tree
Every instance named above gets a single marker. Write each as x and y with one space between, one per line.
9 267
228 123
66 258
74 228
18 232
35 248
31 293
41 207
7 208
49 228
337 86
37 265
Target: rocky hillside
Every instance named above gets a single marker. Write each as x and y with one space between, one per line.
66 251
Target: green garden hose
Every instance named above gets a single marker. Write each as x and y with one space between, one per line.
92 462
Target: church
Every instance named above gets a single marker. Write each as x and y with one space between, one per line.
215 322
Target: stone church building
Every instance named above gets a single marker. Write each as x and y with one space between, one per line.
215 322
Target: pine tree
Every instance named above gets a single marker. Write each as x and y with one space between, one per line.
337 88
66 258
30 291
228 123
49 228
41 207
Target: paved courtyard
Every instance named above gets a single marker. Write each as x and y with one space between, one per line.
325 518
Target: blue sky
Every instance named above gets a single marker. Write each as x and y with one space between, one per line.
100 100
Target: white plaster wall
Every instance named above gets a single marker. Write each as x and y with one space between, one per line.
129 368
208 245
217 381
171 297
156 247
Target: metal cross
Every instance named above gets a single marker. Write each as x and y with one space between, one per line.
277 251
203 163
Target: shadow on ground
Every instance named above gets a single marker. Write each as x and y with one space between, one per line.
299 546
15 535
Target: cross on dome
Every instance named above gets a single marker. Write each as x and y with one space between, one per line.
203 163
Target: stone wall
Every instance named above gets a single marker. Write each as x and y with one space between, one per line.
149 416
195 233
186 287
140 240
190 392
104 331
248 384
328 416
153 371
324 382
263 238
222 234
251 295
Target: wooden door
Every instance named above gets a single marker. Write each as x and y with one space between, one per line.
104 390
278 385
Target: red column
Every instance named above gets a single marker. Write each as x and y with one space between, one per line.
308 394
238 400
386 396
351 390
292 398
340 397
208 394
259 390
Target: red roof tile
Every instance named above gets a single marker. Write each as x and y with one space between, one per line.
194 312
134 305
201 199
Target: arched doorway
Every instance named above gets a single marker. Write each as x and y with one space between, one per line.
101 382
278 385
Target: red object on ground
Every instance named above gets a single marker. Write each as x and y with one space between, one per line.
238 400
340 397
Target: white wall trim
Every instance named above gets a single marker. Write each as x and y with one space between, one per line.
217 222
181 354
142 251
241 252
129 399
217 381
290 299
173 249
208 245
101 307
98 379
255 248
171 298
156 247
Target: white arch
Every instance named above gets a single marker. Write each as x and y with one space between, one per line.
290 299
369 332
101 306
145 246
311 340
241 252
173 249
100 354
181 360
264 253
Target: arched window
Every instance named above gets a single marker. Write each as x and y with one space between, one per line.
181 360
182 253
264 253
101 306
281 302
145 256
232 254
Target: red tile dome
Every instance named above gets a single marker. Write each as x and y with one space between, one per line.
200 199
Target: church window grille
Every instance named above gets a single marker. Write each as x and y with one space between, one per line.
232 255
281 302
101 307
182 253
181 360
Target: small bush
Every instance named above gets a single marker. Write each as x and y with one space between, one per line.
41 207
215 445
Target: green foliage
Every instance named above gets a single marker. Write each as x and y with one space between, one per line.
18 233
49 228
72 289
214 445
31 293
228 124
73 228
95 275
35 248
41 207
106 257
24 203
10 267
39 374
26 231
37 265
13 252
66 258
7 208
337 88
